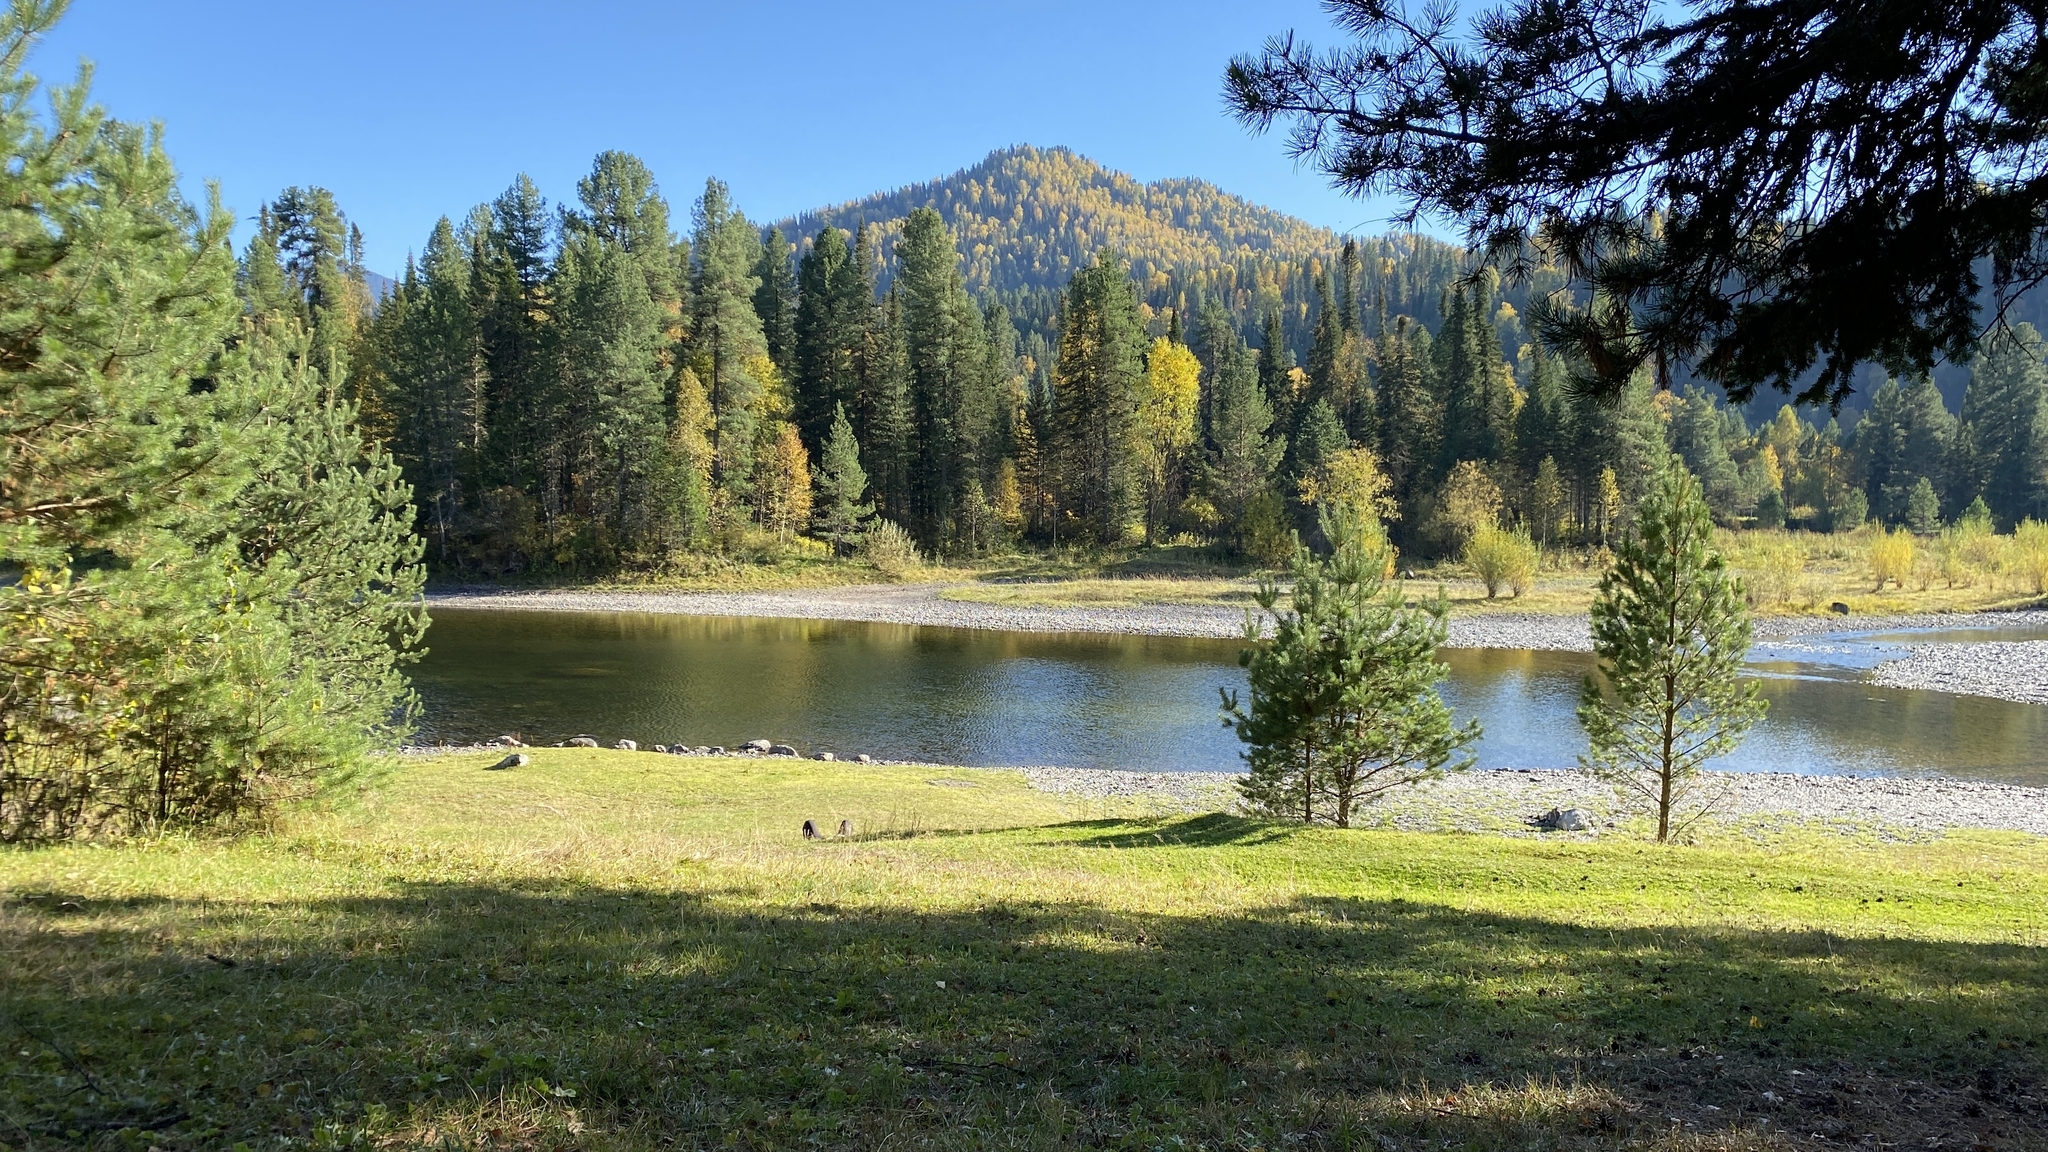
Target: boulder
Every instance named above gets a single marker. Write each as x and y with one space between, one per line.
626 746
782 750
508 742
714 750
1839 608
515 760
864 758
827 756
1566 820
579 742
757 746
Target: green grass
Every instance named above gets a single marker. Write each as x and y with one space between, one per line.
617 950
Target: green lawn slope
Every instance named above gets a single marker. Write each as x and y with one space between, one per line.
614 950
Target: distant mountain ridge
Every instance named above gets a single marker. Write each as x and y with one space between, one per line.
1027 218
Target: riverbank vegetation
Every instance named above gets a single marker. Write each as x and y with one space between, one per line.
626 950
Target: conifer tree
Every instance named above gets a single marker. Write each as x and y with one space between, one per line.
434 377
510 302
1670 630
775 300
725 334
842 507
249 581
322 258
1241 456
952 401
1276 367
622 205
1409 416
833 302
1096 385
1904 438
1696 435
2003 440
1343 703
611 339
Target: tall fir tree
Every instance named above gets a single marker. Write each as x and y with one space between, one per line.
834 299
2003 439
952 402
1095 398
775 300
726 346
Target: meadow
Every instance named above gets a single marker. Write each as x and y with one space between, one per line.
611 950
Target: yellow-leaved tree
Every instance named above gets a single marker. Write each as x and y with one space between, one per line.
1165 424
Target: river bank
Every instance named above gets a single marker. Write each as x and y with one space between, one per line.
924 604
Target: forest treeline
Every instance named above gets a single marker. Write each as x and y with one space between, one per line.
595 387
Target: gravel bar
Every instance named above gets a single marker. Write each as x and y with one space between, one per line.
2016 671
1503 801
922 604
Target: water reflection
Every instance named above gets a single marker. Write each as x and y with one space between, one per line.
1101 701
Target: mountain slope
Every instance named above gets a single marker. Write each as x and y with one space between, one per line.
1026 218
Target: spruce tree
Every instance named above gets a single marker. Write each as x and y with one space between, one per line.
833 302
434 380
775 300
726 344
1343 703
511 304
611 342
1696 435
1241 456
841 508
1276 367
2003 441
1670 631
1096 386
952 400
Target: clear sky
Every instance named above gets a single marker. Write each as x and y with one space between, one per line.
411 109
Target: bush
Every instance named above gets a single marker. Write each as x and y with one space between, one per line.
1502 559
1771 570
2029 553
891 550
1891 556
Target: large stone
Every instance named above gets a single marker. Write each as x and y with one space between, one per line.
579 742
782 750
864 758
1566 820
626 746
515 760
757 745
827 756
508 742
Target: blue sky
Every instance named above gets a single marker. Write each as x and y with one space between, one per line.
409 111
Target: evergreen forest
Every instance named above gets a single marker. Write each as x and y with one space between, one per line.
1041 352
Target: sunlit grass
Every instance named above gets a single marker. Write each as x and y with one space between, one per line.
619 950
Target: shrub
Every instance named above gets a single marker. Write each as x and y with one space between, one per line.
1502 559
1771 570
2029 551
891 550
1891 556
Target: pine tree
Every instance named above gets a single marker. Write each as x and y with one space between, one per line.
435 388
250 582
622 205
322 259
1096 385
725 334
952 401
2003 441
1696 435
1904 438
775 300
1343 703
509 298
1409 417
1670 630
842 508
611 340
1241 457
833 302
1276 368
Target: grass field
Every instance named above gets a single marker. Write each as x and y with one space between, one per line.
614 950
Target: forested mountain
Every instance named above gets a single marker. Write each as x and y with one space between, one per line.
1029 218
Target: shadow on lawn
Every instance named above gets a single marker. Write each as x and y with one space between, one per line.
704 1018
1210 830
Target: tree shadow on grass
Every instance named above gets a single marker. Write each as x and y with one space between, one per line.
1209 830
573 1017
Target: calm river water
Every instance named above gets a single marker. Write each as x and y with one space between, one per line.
1004 698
